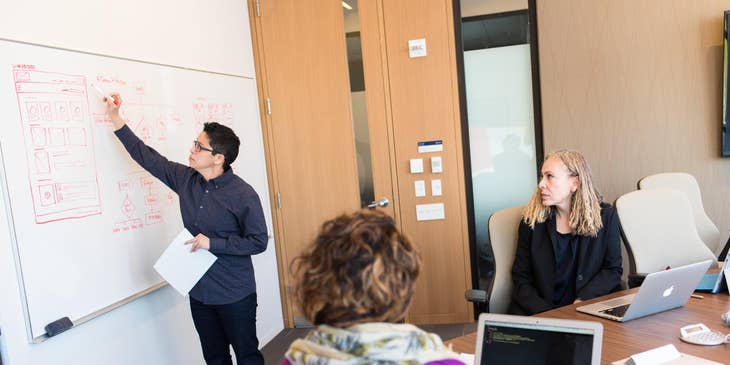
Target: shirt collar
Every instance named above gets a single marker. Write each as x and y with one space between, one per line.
220 180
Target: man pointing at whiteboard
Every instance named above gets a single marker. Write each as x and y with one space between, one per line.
224 214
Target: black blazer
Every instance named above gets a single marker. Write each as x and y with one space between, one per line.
598 270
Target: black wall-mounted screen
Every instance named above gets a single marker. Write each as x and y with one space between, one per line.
726 90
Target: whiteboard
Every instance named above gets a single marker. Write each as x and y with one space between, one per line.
88 222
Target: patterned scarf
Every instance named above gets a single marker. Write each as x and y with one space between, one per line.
370 343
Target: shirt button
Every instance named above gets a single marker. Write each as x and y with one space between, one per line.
206 191
580 277
201 207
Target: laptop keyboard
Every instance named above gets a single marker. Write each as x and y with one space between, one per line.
616 311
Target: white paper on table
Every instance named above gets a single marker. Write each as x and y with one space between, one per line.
664 355
181 268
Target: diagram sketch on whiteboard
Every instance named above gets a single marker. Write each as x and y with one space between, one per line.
61 168
144 202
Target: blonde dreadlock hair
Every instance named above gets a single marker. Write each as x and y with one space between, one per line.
585 203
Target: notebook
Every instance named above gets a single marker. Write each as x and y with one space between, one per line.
717 282
660 291
518 340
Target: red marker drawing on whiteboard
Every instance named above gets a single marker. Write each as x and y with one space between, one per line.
104 95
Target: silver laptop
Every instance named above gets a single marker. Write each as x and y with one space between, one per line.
518 340
660 291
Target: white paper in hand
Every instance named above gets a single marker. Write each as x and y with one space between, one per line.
181 268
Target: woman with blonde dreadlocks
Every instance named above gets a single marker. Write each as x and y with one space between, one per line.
355 282
568 246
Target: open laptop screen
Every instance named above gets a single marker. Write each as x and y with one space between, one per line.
513 343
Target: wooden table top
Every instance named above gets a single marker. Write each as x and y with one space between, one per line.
621 340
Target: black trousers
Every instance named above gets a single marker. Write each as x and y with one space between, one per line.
221 326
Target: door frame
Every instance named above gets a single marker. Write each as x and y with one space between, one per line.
379 116
466 151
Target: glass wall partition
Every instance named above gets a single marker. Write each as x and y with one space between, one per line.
500 120
357 100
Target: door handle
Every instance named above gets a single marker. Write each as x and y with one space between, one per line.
382 203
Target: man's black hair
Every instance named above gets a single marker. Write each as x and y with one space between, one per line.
223 141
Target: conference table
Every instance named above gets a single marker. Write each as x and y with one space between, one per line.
621 340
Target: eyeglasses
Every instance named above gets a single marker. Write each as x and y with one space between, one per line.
199 147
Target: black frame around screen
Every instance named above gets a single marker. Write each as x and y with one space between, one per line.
725 132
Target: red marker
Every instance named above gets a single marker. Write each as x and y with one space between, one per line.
104 95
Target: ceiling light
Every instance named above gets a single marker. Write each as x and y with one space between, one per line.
346 6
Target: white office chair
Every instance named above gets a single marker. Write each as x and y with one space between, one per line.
658 228
687 184
503 228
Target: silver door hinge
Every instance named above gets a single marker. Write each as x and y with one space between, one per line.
258 7
268 106
278 200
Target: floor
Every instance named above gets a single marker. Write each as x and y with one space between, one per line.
275 349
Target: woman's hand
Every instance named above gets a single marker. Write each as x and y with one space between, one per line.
113 103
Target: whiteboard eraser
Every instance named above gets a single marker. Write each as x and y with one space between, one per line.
58 326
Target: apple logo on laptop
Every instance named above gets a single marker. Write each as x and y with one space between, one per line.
668 291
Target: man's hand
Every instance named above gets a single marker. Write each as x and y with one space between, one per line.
199 241
112 110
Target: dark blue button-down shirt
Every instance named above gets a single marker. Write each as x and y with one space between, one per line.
225 209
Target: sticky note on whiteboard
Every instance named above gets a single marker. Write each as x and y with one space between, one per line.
430 212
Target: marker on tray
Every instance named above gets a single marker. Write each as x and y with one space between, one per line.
104 95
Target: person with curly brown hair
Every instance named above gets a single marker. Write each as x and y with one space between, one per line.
568 246
355 282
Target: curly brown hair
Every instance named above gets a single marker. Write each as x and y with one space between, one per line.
359 269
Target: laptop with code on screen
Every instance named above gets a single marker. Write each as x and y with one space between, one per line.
518 340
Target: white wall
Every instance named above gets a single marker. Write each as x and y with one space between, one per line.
211 36
483 7
208 35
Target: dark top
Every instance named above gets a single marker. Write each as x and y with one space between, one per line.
597 268
225 209
565 264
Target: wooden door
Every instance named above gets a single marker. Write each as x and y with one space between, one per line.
302 66
424 103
